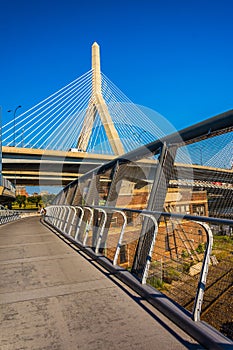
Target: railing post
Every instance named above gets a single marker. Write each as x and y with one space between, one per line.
149 256
49 217
52 214
56 212
121 236
67 217
79 221
100 235
62 219
59 214
204 271
87 225
72 220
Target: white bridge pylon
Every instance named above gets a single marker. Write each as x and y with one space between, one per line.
97 104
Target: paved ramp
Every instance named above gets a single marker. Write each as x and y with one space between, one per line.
53 297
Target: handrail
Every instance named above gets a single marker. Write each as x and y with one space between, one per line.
208 219
154 216
197 329
8 215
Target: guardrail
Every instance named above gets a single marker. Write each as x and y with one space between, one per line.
7 184
7 215
182 251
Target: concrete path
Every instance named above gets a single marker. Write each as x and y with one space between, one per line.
53 297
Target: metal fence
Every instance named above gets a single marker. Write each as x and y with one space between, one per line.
190 259
8 185
7 215
178 268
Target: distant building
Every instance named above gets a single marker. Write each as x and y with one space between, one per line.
44 193
21 191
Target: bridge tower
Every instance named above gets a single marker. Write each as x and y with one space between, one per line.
98 105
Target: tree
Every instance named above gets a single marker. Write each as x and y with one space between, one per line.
20 199
34 199
48 198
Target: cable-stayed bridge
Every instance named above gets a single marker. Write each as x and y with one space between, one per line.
86 123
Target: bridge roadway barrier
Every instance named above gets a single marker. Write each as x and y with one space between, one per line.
7 215
53 296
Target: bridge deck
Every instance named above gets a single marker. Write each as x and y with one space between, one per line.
54 297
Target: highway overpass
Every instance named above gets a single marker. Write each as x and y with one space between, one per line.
34 167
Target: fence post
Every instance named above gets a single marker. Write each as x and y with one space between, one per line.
121 236
72 221
79 220
149 256
87 225
204 271
101 230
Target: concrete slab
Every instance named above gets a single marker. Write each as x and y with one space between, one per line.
53 297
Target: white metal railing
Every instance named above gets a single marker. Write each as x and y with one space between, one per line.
69 220
7 215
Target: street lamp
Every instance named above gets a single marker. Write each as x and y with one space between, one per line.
14 119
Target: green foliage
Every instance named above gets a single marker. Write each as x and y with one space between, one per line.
155 264
201 248
228 239
171 274
34 199
156 283
184 254
186 267
21 200
48 198
223 242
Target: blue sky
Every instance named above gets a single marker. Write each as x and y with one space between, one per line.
174 56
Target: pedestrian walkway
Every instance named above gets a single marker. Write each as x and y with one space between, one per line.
53 297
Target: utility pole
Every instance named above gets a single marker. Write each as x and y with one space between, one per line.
14 121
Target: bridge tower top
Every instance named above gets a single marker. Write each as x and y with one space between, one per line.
98 105
96 81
